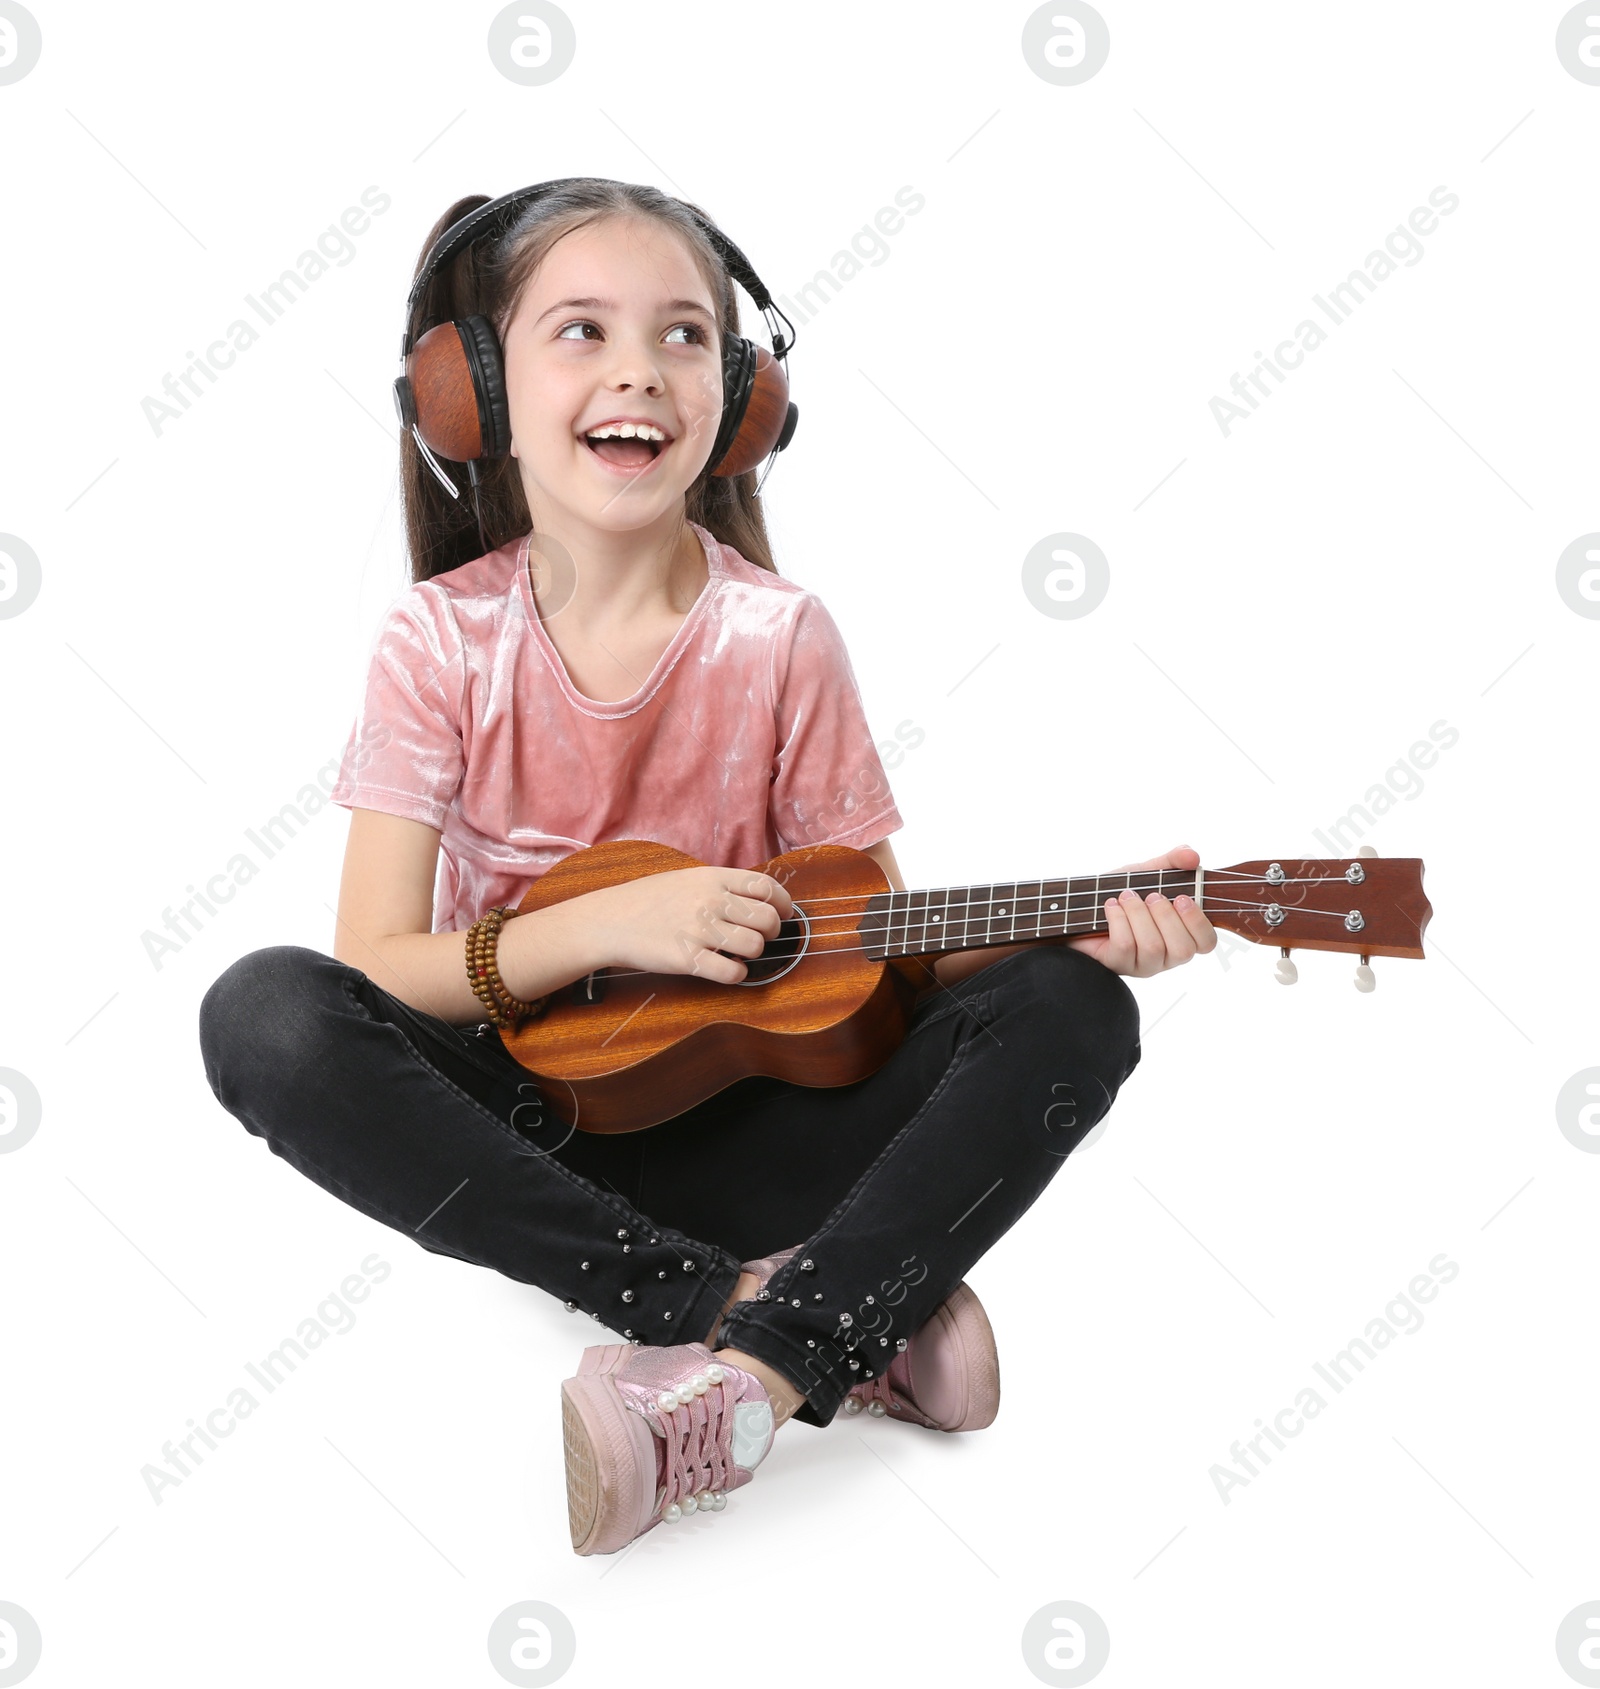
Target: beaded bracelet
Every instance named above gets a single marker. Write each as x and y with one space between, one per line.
502 1008
483 937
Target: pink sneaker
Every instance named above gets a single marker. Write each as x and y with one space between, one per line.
948 1375
945 1376
653 1434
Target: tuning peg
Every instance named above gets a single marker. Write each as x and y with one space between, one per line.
1288 973
1364 976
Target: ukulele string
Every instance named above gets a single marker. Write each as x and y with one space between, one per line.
779 954
1231 904
1211 874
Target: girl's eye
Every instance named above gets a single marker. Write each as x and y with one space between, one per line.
700 337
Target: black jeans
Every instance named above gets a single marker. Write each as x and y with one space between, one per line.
894 1185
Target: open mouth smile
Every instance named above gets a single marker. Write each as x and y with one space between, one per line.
627 446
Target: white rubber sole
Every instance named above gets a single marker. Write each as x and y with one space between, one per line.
610 1457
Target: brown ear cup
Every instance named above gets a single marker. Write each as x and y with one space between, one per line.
446 393
758 417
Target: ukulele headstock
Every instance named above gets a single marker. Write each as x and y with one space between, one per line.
1365 905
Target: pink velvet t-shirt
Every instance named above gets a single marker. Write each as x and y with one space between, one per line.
747 739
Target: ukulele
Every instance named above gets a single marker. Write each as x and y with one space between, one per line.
830 996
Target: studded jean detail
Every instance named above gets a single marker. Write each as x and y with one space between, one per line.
893 1186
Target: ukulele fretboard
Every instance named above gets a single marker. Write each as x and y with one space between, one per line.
922 923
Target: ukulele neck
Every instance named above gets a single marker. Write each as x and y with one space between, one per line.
926 923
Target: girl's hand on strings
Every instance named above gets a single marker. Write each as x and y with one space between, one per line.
1147 935
680 922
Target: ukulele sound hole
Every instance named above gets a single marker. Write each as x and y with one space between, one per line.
780 953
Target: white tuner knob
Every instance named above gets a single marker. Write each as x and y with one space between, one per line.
1367 850
1364 977
1288 973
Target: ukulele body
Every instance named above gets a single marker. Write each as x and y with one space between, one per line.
646 1046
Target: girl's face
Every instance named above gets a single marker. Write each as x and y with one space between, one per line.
616 323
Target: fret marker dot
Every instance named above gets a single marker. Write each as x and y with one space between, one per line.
1002 911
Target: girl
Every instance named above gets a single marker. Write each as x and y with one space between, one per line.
613 654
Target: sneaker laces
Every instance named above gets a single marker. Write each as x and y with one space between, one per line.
876 1394
698 1462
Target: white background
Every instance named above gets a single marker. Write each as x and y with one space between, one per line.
1290 607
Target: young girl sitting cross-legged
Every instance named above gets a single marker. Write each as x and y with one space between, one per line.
615 656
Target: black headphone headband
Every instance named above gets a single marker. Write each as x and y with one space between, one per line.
475 223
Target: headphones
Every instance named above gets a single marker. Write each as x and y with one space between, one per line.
451 394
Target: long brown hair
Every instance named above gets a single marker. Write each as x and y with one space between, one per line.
487 278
